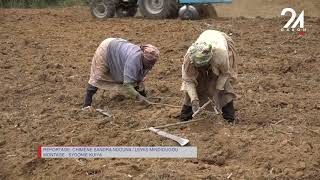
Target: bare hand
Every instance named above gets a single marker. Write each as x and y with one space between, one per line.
143 100
195 105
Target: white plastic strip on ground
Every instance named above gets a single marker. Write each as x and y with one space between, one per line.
117 152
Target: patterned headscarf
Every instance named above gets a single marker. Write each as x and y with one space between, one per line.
200 54
150 53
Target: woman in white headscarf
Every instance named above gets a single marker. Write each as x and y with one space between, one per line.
208 71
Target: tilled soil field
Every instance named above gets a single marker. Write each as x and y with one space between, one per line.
44 68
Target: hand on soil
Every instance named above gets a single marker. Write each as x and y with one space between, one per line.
143 100
195 105
86 108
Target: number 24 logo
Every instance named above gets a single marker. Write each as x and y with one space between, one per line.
300 19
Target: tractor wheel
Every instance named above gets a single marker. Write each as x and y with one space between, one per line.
188 12
126 11
103 8
158 9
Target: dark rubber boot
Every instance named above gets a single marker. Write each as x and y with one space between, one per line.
91 90
228 112
186 113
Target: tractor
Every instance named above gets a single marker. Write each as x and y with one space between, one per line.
154 9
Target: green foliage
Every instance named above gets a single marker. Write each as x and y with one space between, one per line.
39 3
